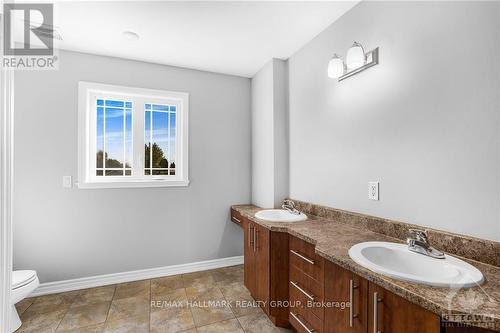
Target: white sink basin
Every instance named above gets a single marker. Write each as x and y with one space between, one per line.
396 261
279 215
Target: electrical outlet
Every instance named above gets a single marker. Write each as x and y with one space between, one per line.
67 182
373 190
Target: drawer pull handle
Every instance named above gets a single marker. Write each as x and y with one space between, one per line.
236 220
296 285
302 257
296 317
376 300
250 234
351 303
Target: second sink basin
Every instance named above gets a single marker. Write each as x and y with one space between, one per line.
396 261
279 215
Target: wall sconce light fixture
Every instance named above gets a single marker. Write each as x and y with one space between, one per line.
356 61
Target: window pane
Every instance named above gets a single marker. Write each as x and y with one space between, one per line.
160 172
160 140
114 137
114 172
100 137
172 142
112 103
160 137
147 138
128 137
159 107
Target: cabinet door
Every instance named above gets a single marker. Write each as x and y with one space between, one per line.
262 265
249 255
345 287
390 313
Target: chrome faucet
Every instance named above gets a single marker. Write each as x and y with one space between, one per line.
419 243
289 205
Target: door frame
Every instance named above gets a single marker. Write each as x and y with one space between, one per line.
6 191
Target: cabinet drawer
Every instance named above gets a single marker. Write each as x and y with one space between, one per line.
304 321
302 256
236 217
299 295
310 284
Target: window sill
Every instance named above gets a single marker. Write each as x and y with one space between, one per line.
134 184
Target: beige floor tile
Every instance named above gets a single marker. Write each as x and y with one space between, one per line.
198 279
166 285
235 290
128 325
24 304
260 324
240 300
133 289
176 298
243 307
94 295
204 293
129 307
227 326
54 302
45 322
89 329
86 315
193 330
230 274
207 313
171 320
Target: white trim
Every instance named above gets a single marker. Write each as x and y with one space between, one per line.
107 279
6 187
87 92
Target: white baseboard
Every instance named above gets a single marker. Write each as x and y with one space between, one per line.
107 279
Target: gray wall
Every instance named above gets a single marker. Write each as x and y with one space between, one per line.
425 122
71 233
262 137
270 135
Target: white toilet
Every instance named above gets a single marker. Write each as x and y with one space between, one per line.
23 284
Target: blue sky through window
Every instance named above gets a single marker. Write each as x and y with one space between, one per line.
160 122
114 133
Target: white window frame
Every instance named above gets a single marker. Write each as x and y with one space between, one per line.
88 92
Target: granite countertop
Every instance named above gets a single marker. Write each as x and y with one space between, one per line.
333 241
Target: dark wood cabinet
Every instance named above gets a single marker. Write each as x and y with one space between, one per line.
249 255
374 309
266 268
280 269
343 288
306 287
391 313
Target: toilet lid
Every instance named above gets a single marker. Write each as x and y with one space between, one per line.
22 278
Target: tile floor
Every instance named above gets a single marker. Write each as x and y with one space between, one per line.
212 301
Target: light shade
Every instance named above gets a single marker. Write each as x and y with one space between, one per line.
130 35
355 56
335 67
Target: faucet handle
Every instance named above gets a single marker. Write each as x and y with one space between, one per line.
419 235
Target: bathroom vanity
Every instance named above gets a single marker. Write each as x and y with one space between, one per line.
306 265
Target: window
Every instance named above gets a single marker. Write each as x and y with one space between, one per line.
132 137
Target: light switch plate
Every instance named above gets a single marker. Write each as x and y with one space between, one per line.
373 190
67 181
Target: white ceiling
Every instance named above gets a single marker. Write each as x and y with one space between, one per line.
227 37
